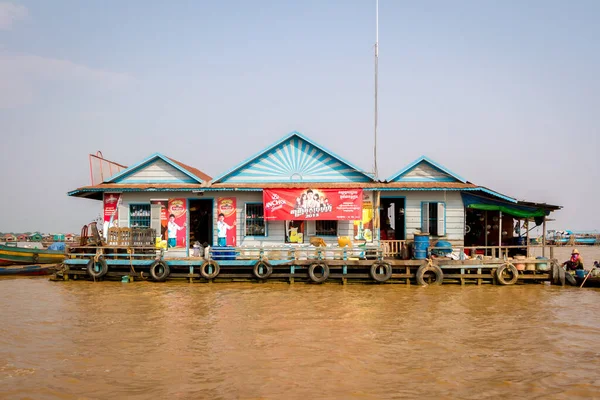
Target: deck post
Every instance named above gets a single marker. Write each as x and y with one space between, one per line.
527 237
485 222
462 278
500 235
479 279
544 237
407 273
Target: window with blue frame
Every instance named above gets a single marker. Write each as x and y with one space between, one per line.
255 220
433 218
139 216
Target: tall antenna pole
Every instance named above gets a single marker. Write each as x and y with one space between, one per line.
375 172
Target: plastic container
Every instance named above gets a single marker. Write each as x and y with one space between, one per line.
580 273
518 261
542 266
442 248
223 253
421 245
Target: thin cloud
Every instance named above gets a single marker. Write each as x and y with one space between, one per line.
10 13
24 76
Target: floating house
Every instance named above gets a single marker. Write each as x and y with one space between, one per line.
294 190
22 237
69 238
9 237
35 237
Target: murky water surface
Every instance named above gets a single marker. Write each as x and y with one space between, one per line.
146 340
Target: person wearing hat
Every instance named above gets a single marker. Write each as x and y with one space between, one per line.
575 262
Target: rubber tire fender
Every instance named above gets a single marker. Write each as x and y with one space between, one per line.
266 266
500 272
92 271
570 279
561 276
381 277
554 272
318 279
420 275
204 271
160 277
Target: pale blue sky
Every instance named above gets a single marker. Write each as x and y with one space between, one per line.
505 94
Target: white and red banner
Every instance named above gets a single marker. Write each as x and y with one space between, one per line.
111 209
227 207
177 224
313 204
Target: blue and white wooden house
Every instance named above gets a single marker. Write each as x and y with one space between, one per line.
424 196
294 161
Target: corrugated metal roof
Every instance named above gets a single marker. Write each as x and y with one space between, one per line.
192 170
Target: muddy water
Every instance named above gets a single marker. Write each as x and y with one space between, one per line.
143 340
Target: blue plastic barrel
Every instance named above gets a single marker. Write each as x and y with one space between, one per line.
580 273
421 245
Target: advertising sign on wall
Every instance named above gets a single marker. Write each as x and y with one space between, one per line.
111 211
363 228
177 223
226 215
313 204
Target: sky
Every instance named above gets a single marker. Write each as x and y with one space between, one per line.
505 94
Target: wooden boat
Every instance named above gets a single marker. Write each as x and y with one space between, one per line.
12 255
45 269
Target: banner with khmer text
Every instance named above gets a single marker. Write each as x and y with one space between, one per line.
313 204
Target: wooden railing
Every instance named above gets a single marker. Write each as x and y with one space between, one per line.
394 248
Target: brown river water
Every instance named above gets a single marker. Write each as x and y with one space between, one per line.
142 340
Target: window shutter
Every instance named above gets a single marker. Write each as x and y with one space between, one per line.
311 228
123 217
155 218
425 217
441 220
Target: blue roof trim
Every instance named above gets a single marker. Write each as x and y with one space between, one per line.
156 156
280 142
410 166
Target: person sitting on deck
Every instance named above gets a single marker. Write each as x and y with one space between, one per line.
575 262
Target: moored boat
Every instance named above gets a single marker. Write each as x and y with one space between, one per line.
45 269
10 255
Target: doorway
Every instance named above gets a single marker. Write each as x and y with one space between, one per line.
393 226
201 221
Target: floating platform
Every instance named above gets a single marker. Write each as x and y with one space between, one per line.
313 265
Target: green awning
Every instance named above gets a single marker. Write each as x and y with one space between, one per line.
515 212
513 209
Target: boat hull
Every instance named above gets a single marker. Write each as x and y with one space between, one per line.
28 270
23 256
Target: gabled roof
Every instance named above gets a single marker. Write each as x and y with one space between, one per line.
294 158
424 169
189 174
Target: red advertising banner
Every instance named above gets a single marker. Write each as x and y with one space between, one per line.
164 217
111 211
177 224
313 204
226 215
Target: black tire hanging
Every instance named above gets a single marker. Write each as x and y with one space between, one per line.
554 272
387 274
204 269
423 269
318 279
159 271
93 271
504 268
265 266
